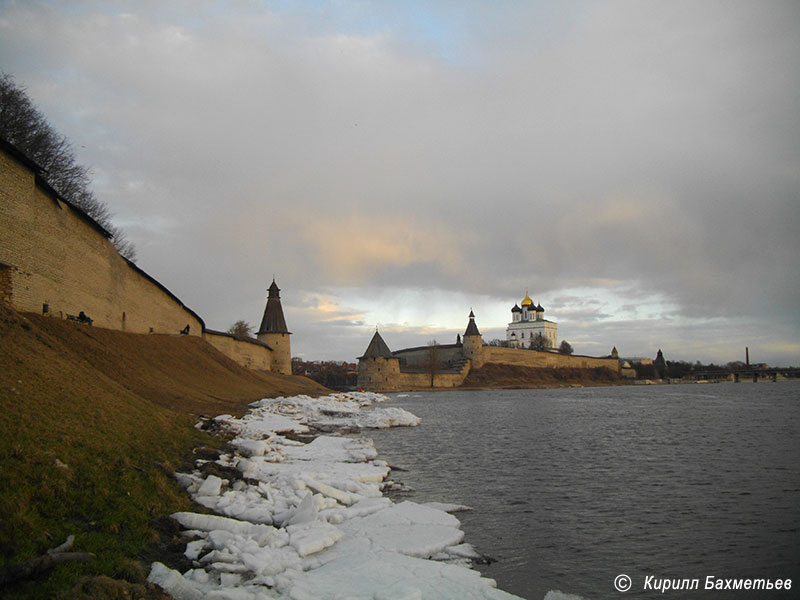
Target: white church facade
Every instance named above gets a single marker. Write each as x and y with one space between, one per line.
527 321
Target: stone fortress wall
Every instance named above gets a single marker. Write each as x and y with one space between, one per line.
380 374
410 368
385 375
55 255
548 360
418 358
55 259
251 354
278 343
441 379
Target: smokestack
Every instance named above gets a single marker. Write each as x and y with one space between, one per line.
747 356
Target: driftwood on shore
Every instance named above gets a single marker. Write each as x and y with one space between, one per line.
40 564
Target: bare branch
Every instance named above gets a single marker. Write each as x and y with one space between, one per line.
45 562
23 125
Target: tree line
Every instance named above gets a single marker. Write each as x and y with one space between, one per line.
26 128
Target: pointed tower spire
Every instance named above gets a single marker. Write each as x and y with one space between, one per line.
472 343
273 332
273 321
472 328
377 348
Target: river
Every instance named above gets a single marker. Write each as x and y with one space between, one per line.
572 487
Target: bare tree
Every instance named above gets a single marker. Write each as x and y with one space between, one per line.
565 347
24 126
538 342
432 360
241 329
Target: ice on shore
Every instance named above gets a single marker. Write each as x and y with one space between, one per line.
309 520
336 412
448 508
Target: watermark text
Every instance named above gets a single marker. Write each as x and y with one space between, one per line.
623 583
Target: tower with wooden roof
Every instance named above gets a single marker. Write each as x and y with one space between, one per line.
473 343
378 369
274 333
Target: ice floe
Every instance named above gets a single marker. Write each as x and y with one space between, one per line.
309 520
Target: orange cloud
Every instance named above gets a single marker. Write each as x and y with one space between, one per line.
355 247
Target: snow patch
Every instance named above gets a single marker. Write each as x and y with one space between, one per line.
309 521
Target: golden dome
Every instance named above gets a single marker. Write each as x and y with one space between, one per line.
527 300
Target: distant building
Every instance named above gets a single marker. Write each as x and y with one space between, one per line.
660 364
527 321
447 365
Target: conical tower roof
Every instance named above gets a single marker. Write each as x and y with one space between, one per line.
273 321
377 348
472 329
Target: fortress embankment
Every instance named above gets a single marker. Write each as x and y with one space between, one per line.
449 365
57 261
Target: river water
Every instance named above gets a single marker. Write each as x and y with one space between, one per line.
572 487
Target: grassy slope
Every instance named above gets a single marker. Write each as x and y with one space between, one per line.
494 375
118 410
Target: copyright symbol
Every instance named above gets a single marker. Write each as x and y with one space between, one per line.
622 583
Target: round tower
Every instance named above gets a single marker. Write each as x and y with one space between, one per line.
473 343
273 332
378 369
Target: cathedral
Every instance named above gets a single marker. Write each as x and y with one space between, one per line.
526 322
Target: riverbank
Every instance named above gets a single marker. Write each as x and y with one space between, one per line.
505 376
94 424
309 520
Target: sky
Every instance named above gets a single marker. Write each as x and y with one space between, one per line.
634 166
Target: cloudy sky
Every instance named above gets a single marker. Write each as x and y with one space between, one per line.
634 165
